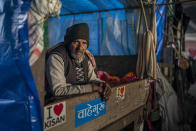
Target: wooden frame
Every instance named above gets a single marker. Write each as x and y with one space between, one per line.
119 113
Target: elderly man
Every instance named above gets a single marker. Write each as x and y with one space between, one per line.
69 70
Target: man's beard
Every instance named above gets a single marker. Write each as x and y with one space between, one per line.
78 56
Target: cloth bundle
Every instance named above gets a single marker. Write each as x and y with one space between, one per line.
115 80
40 11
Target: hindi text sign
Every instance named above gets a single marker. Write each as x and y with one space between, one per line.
88 111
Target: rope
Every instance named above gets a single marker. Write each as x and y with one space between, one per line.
145 19
157 8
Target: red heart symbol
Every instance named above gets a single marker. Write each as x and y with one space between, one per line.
122 91
58 109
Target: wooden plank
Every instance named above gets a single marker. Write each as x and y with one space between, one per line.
131 118
135 96
38 70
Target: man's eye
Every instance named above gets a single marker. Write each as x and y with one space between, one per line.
84 43
76 41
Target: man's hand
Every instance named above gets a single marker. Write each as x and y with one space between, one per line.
97 88
103 88
107 91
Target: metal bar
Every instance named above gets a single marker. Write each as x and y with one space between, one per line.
89 12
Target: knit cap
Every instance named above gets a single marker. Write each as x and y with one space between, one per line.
77 31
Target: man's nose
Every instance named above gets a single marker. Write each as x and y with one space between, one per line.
79 44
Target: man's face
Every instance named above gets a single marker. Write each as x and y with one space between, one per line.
78 47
